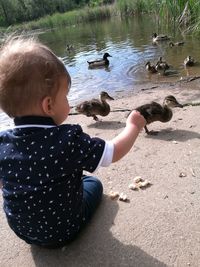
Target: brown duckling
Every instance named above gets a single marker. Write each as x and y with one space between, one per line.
150 68
159 38
69 47
172 44
103 62
95 107
156 112
161 65
189 61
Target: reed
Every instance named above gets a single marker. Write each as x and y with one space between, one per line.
132 6
181 13
194 17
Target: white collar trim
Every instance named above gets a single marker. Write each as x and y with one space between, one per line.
33 125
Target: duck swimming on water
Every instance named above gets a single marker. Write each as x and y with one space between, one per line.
95 107
189 61
171 44
159 38
156 112
100 62
69 47
161 65
150 68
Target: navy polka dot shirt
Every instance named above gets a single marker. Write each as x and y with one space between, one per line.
41 167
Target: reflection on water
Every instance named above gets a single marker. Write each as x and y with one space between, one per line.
129 43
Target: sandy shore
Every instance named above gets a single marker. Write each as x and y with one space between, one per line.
159 225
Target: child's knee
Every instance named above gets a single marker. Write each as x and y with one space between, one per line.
93 185
99 185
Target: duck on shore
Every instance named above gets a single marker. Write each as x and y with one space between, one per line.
100 62
95 107
155 112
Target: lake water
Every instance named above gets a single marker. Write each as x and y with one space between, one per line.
129 42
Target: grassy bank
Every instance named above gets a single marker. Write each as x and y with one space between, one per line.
68 18
182 13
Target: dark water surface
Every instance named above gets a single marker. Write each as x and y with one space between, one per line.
130 44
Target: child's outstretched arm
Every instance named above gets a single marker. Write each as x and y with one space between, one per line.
125 140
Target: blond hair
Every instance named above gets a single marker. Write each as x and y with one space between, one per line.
29 71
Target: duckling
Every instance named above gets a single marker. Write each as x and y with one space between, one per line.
161 65
100 62
159 38
150 68
95 106
171 44
156 112
189 61
69 48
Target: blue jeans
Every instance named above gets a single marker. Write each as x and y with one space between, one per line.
92 194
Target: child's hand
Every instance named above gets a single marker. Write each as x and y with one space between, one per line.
125 140
137 119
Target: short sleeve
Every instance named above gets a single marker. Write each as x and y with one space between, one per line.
107 156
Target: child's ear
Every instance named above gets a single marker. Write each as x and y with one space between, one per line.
47 106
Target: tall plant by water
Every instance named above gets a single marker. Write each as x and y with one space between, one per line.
181 13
